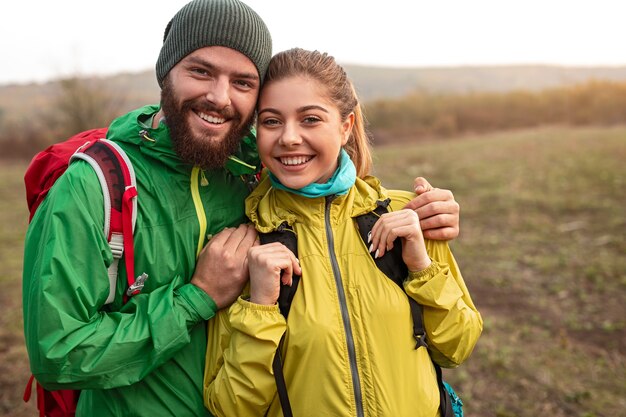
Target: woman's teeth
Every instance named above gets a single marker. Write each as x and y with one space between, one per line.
295 160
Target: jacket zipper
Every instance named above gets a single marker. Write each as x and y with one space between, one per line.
197 202
356 381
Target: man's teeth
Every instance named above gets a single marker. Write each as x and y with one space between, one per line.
295 160
211 119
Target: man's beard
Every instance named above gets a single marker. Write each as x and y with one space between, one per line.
206 151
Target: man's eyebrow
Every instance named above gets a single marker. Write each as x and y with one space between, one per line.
204 63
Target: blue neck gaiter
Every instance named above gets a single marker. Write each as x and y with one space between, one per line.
341 181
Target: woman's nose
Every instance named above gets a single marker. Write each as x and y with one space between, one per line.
290 136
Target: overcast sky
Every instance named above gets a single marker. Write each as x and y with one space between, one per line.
43 39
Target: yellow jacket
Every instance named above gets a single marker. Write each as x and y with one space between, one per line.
349 348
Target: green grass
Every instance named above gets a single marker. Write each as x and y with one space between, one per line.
14 371
542 245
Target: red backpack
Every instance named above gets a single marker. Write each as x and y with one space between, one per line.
117 179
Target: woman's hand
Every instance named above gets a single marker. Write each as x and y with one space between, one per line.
406 225
269 265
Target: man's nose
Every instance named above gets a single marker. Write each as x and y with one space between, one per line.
219 93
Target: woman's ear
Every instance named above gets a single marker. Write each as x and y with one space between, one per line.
346 128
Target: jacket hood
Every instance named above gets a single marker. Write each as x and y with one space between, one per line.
267 208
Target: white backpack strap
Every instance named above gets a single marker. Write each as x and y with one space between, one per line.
116 241
117 248
135 284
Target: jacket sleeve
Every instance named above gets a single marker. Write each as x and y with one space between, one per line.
452 322
73 340
242 342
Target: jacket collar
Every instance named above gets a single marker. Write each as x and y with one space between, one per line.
267 207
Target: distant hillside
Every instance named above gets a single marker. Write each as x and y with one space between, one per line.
28 100
374 83
135 89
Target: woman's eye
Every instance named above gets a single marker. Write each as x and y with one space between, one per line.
311 119
270 122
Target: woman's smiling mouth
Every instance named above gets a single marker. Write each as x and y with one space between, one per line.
294 160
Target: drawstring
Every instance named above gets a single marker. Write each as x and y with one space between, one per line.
203 181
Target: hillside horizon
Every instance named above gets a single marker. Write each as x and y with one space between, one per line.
542 75
372 83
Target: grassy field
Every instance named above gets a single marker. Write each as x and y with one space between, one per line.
542 249
14 372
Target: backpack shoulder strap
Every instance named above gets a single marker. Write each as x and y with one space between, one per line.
391 263
119 188
287 236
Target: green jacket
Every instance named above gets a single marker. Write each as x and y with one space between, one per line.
349 348
146 357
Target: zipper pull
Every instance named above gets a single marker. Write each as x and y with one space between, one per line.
144 135
203 181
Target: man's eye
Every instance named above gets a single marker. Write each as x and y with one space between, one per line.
199 71
244 84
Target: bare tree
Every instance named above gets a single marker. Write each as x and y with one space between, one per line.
81 104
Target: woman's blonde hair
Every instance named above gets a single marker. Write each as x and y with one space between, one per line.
324 69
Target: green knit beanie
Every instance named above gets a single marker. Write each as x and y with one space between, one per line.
228 23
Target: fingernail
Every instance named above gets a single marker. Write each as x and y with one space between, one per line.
376 254
419 188
371 248
369 237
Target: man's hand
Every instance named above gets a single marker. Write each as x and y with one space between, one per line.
437 210
222 267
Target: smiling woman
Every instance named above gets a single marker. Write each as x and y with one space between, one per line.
357 326
299 137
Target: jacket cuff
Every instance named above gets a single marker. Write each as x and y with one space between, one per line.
262 322
424 274
198 301
247 304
